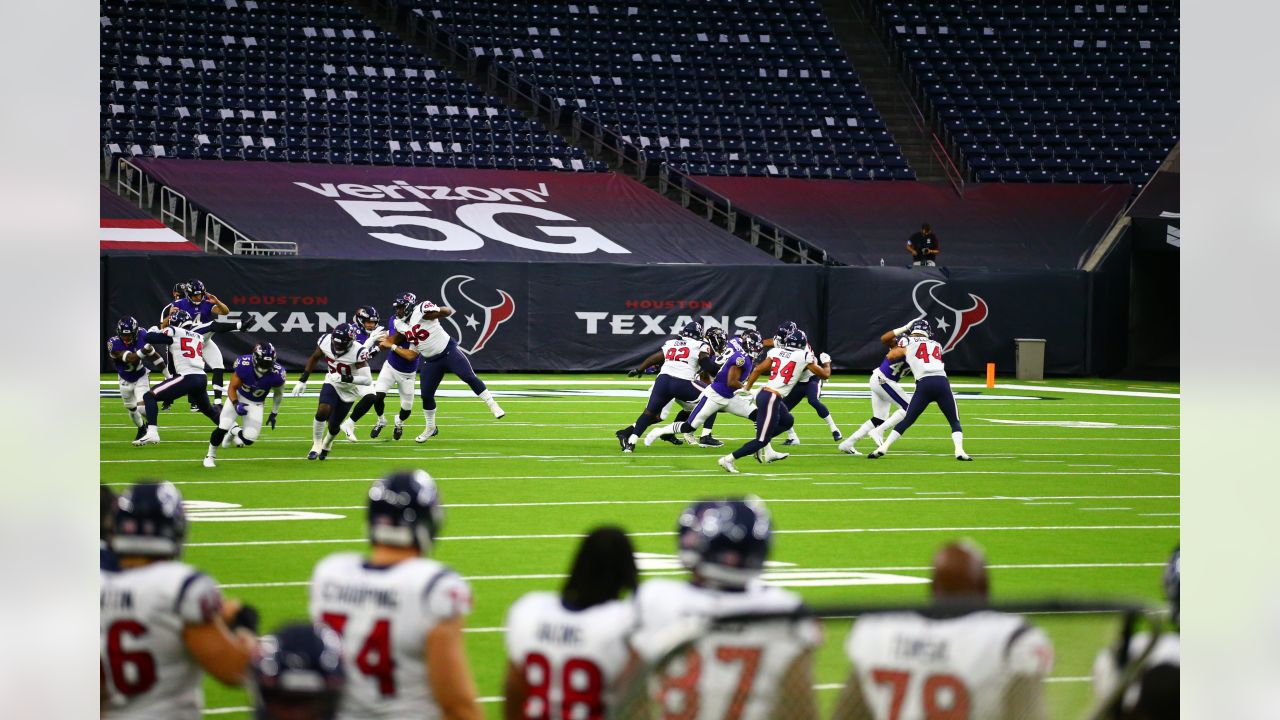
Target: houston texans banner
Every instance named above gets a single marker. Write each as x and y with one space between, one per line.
443 214
976 315
507 316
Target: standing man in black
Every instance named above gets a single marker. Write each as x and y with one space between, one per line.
923 247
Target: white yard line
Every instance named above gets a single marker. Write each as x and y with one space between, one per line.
665 533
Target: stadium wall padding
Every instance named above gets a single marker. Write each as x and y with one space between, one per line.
577 317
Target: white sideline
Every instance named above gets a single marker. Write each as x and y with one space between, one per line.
665 533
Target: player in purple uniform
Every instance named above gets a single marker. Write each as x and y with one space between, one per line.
131 356
205 307
887 396
252 377
398 369
736 359
682 358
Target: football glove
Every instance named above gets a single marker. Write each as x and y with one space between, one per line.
824 358
242 409
635 372
299 388
271 420
345 375
246 617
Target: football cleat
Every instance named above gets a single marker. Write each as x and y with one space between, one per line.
208 462
150 437
771 456
349 429
876 455
376 430
964 458
324 454
229 439
498 412
726 462
690 438
427 434
623 435
166 405
313 455
141 431
847 447
708 441
836 435
397 432
791 441
652 435
194 408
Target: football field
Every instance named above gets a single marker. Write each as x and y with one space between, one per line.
1073 493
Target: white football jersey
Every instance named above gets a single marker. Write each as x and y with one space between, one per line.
383 615
1106 673
785 368
680 357
145 669
916 664
571 660
187 350
924 357
429 337
711 675
806 374
336 363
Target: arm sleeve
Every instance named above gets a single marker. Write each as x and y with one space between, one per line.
199 599
447 596
156 338
277 396
708 365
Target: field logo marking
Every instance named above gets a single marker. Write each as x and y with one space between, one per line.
214 511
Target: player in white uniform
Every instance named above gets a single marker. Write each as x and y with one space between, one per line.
567 652
924 356
1154 694
348 371
185 340
888 401
746 670
784 363
371 334
684 358
163 623
439 352
806 388
400 614
957 664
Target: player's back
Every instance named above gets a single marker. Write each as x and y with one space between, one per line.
680 357
924 357
146 669
571 660
962 665
187 350
785 367
384 614
735 671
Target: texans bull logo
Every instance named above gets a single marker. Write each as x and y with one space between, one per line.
950 323
474 321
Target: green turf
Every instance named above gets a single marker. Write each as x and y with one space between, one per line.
1088 512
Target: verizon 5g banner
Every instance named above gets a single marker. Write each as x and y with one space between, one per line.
507 316
975 314
443 214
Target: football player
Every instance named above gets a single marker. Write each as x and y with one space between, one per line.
965 662
724 544
885 393
683 358
1154 694
253 376
924 356
399 370
205 307
348 370
806 388
556 641
735 363
297 674
185 340
439 352
131 355
164 623
400 614
179 291
784 362
369 334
